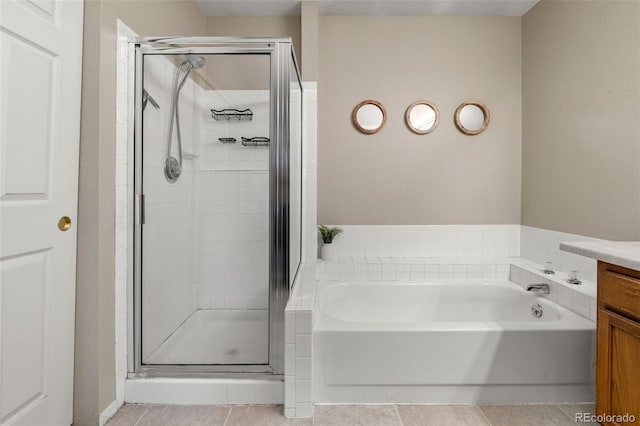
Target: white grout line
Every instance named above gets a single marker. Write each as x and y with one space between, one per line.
398 414
143 414
483 415
228 415
564 412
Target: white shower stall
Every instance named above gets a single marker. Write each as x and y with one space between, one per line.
217 194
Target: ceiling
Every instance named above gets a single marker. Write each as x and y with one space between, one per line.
369 7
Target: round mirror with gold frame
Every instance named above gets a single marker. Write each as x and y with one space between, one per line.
472 117
369 116
422 117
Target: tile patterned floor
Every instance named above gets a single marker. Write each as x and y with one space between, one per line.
352 415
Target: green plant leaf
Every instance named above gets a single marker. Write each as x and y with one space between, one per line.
328 234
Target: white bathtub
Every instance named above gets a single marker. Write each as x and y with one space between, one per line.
448 342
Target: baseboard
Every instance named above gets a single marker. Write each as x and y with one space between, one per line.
108 412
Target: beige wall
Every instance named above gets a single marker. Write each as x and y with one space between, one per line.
581 109
395 176
309 40
95 311
250 72
256 26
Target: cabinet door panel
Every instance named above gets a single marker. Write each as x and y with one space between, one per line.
618 381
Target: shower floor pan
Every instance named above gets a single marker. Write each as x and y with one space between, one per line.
217 337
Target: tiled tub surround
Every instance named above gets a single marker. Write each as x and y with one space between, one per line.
419 253
425 253
413 269
428 241
298 312
543 245
461 252
460 242
298 401
580 299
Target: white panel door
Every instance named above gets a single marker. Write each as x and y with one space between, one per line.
40 75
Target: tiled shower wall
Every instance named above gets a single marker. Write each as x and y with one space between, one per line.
233 196
124 240
169 281
232 240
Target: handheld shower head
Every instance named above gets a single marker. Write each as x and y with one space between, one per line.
173 166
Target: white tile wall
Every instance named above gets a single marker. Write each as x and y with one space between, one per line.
218 156
233 194
296 168
298 314
298 360
204 391
123 240
419 253
427 241
232 240
543 245
235 160
414 269
309 172
168 251
580 299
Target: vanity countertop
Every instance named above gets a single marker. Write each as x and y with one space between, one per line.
621 253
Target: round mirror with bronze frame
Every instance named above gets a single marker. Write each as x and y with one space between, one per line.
422 117
472 117
369 116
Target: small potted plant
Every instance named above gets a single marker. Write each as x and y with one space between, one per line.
328 251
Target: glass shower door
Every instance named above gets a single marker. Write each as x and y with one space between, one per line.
205 176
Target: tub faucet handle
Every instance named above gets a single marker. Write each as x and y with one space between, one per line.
574 278
541 288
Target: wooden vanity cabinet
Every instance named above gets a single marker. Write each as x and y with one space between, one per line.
618 342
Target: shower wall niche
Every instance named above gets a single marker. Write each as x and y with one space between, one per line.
208 261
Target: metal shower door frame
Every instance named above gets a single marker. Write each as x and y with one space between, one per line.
280 51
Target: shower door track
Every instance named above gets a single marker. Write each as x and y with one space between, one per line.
281 54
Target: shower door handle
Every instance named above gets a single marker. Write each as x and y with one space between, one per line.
139 209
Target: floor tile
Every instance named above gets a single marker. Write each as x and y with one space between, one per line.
127 415
441 415
178 415
154 416
263 415
526 415
355 415
197 415
573 409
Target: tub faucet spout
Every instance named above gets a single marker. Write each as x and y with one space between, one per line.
541 288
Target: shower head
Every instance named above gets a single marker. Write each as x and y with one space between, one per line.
195 62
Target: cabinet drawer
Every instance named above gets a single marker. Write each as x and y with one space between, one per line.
619 289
